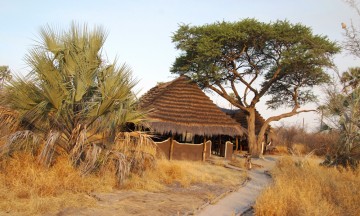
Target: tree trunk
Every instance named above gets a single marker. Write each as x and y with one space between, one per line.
254 148
261 141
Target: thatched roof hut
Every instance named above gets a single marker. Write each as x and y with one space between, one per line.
240 117
180 106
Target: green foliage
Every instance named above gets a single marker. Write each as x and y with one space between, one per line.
342 109
282 56
351 78
72 98
296 86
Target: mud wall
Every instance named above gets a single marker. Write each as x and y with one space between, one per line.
164 146
185 151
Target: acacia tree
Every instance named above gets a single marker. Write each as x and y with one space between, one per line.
252 59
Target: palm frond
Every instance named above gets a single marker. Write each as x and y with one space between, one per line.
8 118
25 140
47 153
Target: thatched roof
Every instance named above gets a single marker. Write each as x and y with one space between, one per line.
240 116
180 106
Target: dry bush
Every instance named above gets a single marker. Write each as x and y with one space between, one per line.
140 151
183 174
297 141
325 142
132 152
310 190
29 188
285 136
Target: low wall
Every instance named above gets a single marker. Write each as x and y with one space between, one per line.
228 150
225 150
164 146
185 151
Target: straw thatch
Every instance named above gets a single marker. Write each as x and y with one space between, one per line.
240 117
180 106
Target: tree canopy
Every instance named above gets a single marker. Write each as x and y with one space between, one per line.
251 59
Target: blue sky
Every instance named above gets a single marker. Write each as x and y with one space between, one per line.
140 31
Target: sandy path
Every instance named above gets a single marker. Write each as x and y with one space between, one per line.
241 200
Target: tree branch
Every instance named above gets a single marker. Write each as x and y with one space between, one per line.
244 81
254 67
235 91
227 97
277 118
288 114
266 87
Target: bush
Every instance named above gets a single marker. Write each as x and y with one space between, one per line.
296 140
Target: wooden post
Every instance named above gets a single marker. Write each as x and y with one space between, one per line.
236 143
219 146
204 149
171 147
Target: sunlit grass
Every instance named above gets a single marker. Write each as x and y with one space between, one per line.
184 174
28 188
310 190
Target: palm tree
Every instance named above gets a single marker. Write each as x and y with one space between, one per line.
4 75
71 99
351 78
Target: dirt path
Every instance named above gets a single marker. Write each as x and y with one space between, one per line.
238 202
175 200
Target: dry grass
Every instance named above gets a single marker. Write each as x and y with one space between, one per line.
31 189
310 190
28 188
238 162
296 149
183 174
282 150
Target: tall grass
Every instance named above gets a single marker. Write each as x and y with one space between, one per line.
29 188
310 190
